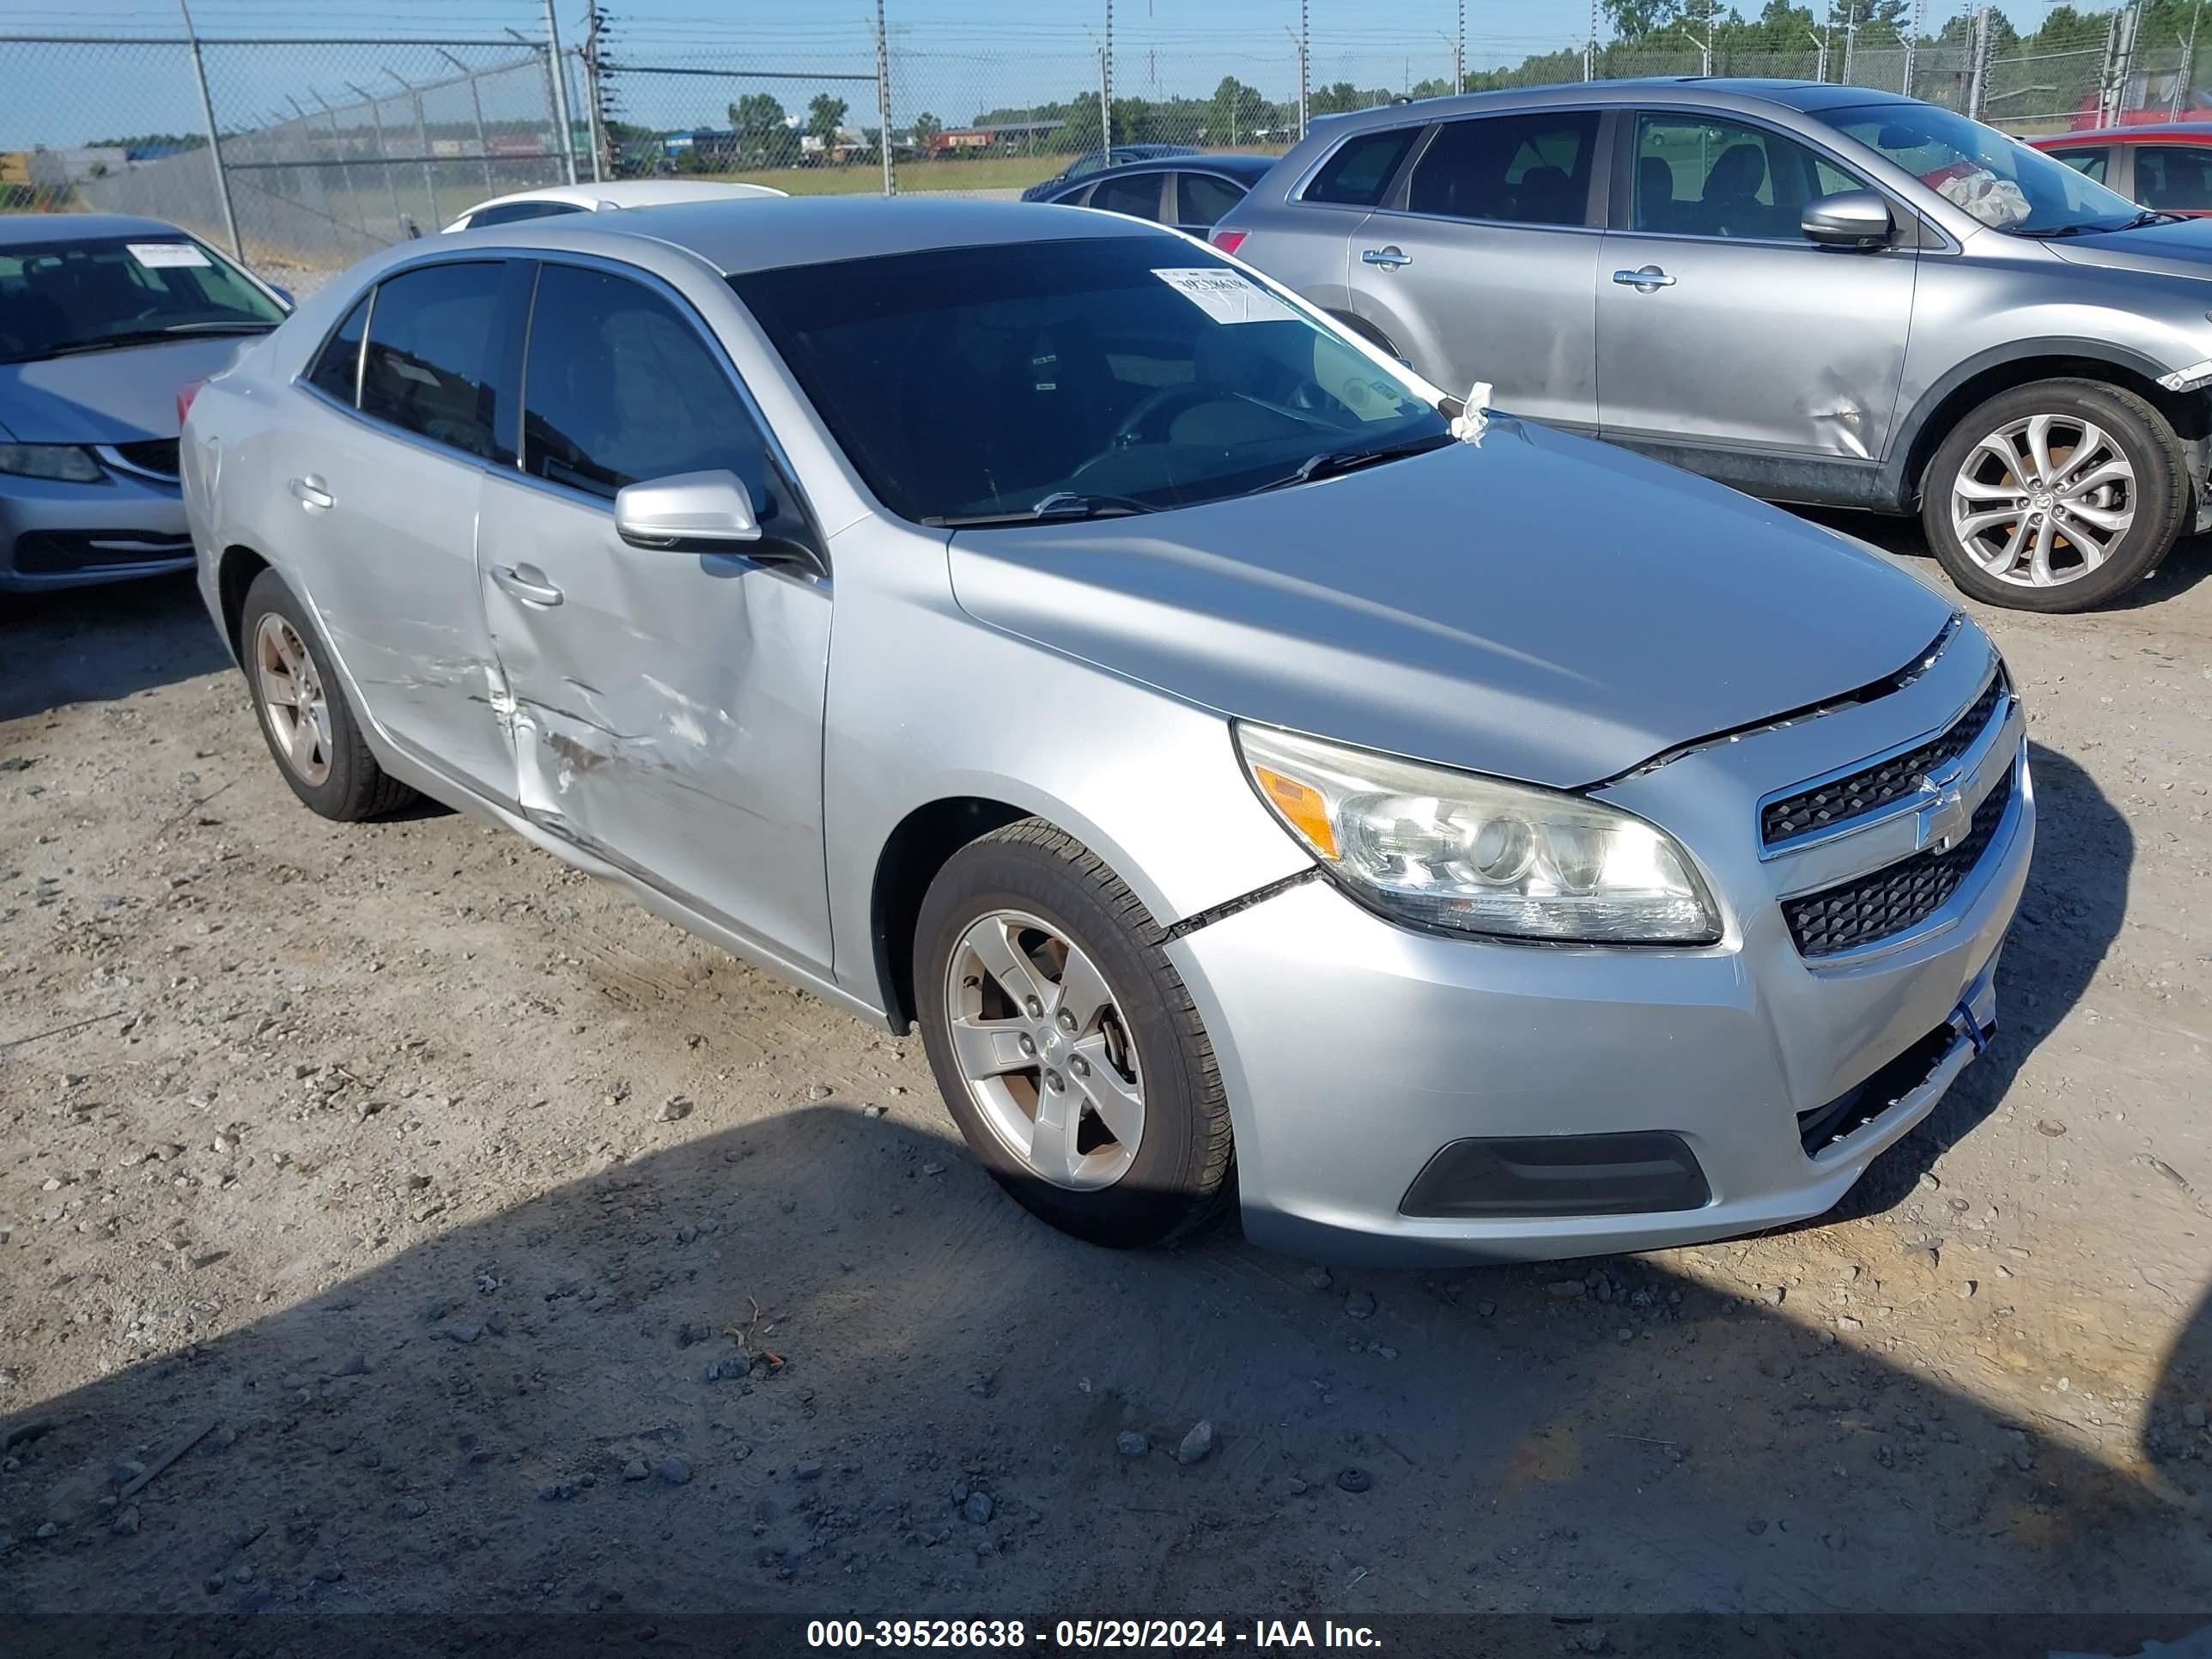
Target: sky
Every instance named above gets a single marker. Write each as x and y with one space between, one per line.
953 57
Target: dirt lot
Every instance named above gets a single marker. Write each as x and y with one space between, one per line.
471 1240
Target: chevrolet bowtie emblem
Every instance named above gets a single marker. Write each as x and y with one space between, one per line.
1944 818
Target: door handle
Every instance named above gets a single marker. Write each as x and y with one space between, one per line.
1389 258
311 492
527 583
1650 280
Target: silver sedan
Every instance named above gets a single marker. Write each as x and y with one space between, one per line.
1030 624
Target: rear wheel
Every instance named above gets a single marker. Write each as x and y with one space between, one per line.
1066 1043
2055 496
308 725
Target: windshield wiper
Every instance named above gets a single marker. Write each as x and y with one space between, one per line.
2150 216
139 337
1061 505
1331 462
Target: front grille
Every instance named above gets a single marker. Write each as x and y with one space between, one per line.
157 455
1886 902
1882 784
54 552
1853 1110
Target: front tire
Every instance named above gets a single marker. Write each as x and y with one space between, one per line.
1066 1045
2056 496
305 719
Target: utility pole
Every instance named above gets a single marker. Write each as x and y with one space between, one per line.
560 93
1106 92
1459 53
215 137
2188 61
1851 40
1589 51
594 114
1911 47
884 100
1980 40
1305 65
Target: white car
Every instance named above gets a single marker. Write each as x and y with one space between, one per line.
604 197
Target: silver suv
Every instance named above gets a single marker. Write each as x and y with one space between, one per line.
1817 294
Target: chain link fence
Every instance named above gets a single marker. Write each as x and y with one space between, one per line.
329 148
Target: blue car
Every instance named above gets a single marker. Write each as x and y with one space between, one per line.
1085 165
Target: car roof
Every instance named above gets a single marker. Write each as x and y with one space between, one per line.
1726 91
802 230
18 229
2150 132
1249 168
633 192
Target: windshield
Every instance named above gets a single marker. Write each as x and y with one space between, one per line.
85 294
1137 371
1999 179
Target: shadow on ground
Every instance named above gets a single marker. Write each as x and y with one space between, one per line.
96 644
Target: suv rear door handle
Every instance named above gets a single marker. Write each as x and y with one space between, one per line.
1650 280
311 492
526 582
1389 258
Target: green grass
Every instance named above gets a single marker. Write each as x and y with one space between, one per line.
867 179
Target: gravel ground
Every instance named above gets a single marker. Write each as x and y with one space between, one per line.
392 1219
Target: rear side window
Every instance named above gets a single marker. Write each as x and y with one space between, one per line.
1138 197
337 372
1360 169
508 213
1516 169
1203 199
432 341
619 387
2091 163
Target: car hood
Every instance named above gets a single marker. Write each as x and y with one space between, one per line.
1534 606
2176 250
116 396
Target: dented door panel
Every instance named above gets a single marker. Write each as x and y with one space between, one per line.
1783 346
665 713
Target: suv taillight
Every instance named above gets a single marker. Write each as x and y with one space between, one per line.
1229 240
185 396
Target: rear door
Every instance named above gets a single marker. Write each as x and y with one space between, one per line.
384 465
667 712
1200 199
1720 326
1481 264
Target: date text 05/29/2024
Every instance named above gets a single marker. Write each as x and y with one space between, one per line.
1123 1634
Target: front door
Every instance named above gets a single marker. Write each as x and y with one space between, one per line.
1720 325
667 707
1482 266
386 494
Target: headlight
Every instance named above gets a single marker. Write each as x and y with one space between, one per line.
61 461
1476 854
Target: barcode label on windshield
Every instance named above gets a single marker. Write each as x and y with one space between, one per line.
156 255
1227 296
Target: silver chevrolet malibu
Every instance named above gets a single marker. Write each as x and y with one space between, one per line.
1263 778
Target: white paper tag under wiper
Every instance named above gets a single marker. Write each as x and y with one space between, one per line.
1473 418
1227 296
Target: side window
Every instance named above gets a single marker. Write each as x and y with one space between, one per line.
337 372
432 340
508 213
2093 163
1361 168
1202 199
618 386
1516 169
2174 177
1700 176
1138 197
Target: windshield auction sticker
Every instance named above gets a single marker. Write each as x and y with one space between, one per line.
155 255
1227 296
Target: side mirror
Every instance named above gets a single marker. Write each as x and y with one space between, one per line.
690 512
1849 218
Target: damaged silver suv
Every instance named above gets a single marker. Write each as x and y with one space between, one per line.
1817 294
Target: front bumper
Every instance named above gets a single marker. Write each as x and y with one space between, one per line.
54 534
1354 1049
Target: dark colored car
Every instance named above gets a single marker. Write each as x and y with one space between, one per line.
1189 192
1092 161
2167 167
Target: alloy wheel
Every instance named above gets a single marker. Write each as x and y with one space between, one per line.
1042 1044
2042 500
292 698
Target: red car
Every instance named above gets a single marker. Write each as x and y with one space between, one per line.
2168 166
